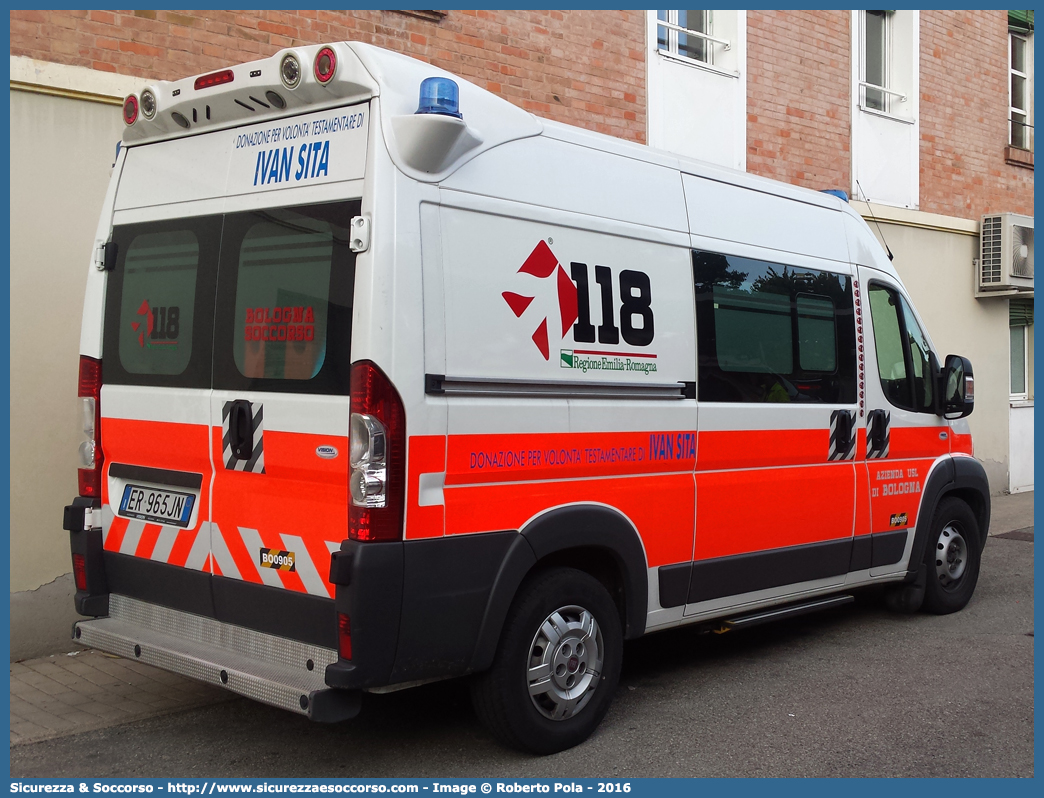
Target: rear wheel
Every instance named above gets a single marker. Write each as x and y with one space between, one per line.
952 557
557 665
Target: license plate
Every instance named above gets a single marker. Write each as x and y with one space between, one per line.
160 506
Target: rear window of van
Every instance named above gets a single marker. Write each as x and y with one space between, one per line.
259 300
159 291
282 294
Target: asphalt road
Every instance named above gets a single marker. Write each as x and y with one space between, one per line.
856 691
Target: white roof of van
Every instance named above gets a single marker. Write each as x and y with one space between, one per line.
364 72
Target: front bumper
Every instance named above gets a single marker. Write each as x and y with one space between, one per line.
275 670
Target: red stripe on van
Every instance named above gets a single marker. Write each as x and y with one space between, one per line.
721 450
117 530
909 442
157 444
738 512
478 459
660 507
426 455
147 543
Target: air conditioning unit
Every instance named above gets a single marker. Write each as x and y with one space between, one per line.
1005 253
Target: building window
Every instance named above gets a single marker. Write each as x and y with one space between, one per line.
875 60
1020 90
883 79
1020 319
688 35
1018 361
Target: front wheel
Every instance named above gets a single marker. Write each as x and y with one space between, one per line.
952 557
557 665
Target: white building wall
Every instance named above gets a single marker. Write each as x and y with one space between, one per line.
933 256
885 144
700 110
65 122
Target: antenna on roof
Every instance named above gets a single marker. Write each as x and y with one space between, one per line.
867 200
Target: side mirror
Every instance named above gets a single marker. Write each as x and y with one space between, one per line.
958 387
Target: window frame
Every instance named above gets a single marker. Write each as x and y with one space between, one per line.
900 67
1024 394
908 362
332 379
709 371
865 86
197 372
1026 39
672 50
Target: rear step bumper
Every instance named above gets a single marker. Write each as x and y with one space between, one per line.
270 669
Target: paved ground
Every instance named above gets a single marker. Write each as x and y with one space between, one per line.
857 691
85 690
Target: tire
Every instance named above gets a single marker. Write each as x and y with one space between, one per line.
562 638
952 555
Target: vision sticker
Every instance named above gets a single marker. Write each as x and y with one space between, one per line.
280 560
280 324
897 519
160 327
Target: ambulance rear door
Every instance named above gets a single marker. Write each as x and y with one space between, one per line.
155 406
280 416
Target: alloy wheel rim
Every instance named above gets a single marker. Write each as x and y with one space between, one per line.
565 662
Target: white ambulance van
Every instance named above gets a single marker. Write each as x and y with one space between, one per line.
385 380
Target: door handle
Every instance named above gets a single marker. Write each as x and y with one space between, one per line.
877 433
841 441
241 429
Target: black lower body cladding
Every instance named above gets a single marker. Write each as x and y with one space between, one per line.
416 607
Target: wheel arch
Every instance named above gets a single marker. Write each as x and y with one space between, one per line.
962 477
596 539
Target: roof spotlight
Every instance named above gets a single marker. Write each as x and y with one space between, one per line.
290 71
148 104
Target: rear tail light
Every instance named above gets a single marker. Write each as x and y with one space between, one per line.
344 636
377 456
130 109
80 571
91 459
325 65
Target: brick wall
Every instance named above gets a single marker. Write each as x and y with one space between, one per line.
584 68
798 97
587 68
964 113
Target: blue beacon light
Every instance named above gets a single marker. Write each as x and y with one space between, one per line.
439 96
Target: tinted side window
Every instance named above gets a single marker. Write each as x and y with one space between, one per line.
285 300
920 362
772 333
159 303
903 355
